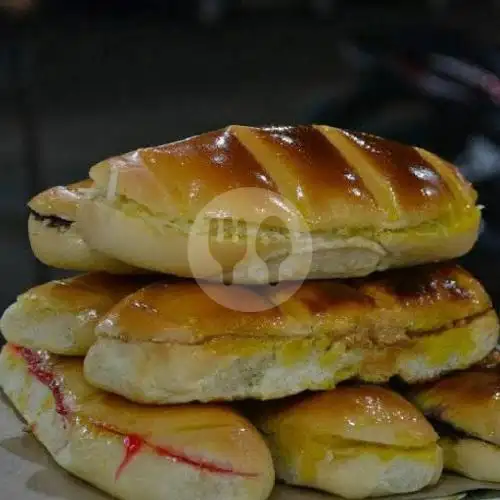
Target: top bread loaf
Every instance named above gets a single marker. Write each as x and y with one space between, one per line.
277 203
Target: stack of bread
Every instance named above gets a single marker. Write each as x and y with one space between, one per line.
152 381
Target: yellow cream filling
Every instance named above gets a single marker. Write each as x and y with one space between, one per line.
439 348
304 453
337 362
288 352
445 225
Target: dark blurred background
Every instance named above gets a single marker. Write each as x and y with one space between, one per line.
83 80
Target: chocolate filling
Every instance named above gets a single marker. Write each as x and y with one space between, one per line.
447 430
52 221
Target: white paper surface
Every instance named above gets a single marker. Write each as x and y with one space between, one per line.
27 472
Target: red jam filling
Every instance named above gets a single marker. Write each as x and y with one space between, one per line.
38 368
132 442
133 445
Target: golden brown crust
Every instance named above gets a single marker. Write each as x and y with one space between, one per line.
200 433
336 179
355 442
185 314
367 205
363 413
469 401
270 367
92 292
97 290
382 310
61 315
60 201
173 343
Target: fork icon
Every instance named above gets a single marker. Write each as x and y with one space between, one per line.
227 243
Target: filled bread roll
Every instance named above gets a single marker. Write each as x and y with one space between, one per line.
54 237
312 201
356 442
173 343
466 410
61 315
130 451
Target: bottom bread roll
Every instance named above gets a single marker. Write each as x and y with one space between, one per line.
466 410
473 458
354 441
185 452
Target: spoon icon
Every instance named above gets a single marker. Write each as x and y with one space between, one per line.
273 245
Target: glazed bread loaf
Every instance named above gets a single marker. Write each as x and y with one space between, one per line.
319 202
355 441
54 237
131 451
466 409
171 343
61 315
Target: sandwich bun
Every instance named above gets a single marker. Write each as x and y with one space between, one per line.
54 236
356 441
131 451
368 204
61 315
466 409
472 458
173 343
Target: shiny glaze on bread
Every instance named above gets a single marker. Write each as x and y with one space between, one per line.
335 178
381 310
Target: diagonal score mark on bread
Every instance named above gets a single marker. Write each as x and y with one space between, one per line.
416 323
134 451
464 193
370 203
379 188
389 183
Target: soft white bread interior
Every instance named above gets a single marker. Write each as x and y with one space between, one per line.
471 457
54 236
368 204
466 409
172 343
130 451
61 315
355 441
